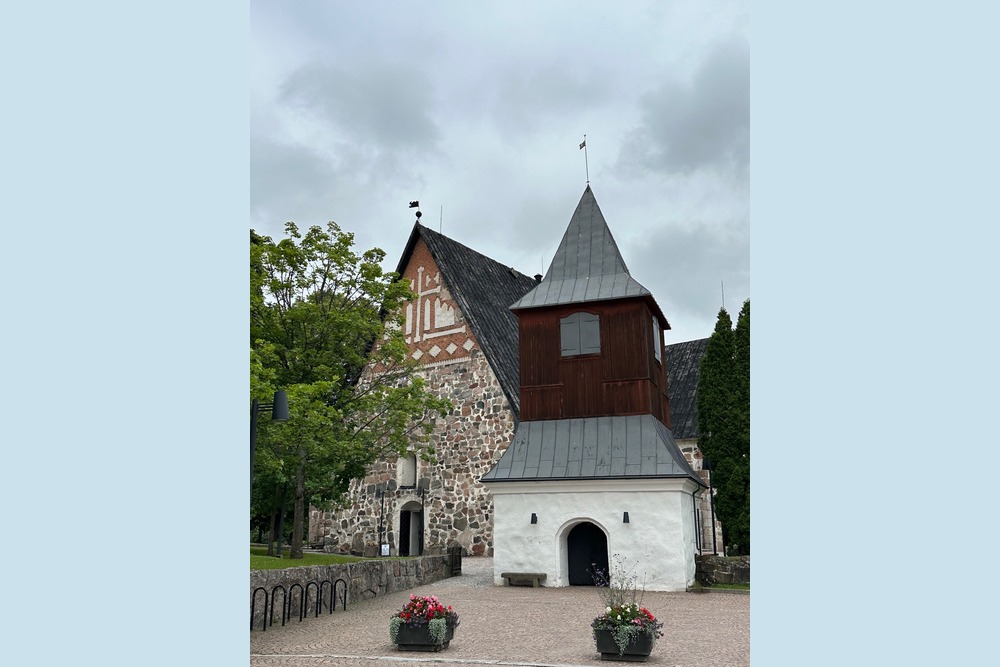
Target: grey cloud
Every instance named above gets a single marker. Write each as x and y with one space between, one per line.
286 181
481 112
529 100
538 224
382 104
357 131
686 266
704 125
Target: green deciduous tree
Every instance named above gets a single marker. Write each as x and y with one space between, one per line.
724 422
325 326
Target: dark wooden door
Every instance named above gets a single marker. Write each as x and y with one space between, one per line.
587 549
404 533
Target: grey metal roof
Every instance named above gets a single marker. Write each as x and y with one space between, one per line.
621 447
587 247
577 290
683 365
587 265
483 289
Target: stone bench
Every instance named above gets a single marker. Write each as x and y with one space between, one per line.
536 578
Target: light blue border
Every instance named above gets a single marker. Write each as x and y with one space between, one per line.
874 143
124 169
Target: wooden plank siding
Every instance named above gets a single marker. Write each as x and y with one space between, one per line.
624 379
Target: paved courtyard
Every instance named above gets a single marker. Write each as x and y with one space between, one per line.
509 626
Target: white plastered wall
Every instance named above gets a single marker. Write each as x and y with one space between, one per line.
659 539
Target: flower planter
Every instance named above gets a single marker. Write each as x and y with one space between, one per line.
637 650
424 624
624 619
418 638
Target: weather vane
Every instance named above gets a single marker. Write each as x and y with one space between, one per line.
583 147
415 204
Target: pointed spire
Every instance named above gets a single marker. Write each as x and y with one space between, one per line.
587 248
587 265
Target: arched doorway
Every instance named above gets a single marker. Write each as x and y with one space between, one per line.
411 529
586 550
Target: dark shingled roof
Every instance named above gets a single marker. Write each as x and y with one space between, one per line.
484 289
620 447
683 363
587 265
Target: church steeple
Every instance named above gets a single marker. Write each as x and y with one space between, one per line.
587 248
587 265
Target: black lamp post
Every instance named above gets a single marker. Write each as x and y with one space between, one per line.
279 413
707 465
423 488
380 494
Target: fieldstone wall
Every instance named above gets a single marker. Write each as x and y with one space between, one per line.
365 580
455 507
711 570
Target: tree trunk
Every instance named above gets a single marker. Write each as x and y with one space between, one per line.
270 534
300 497
273 530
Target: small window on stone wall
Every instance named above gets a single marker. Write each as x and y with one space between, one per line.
406 471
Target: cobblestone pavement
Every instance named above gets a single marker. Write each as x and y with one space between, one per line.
509 626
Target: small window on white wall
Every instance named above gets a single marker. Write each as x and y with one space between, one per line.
656 338
406 471
580 333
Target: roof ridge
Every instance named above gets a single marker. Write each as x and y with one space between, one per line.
427 230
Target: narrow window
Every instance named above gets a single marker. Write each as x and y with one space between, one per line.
656 338
407 471
580 333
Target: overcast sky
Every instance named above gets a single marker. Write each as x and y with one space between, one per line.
479 109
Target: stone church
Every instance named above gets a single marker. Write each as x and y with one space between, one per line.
463 331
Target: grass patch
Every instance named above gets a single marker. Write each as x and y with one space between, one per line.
735 587
259 560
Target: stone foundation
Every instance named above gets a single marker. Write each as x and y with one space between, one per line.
711 570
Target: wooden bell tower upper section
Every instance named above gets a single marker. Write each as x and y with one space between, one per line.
591 337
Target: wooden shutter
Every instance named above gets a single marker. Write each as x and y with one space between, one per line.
569 335
590 334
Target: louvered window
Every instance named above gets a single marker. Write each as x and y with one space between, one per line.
580 333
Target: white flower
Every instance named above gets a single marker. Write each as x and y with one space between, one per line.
608 610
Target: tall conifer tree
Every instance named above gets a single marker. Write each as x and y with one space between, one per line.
741 485
724 423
